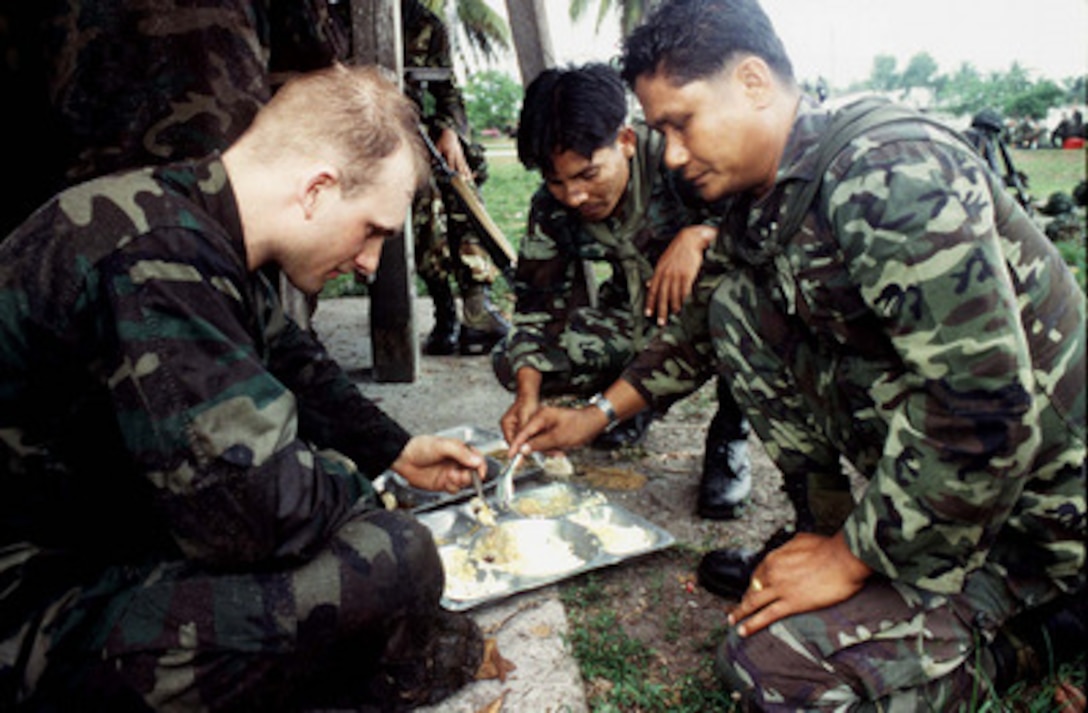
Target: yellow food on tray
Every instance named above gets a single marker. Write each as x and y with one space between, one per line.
466 581
616 538
551 502
515 549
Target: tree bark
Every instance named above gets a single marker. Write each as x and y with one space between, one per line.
532 40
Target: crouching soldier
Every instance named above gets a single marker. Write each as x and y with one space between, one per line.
607 199
186 515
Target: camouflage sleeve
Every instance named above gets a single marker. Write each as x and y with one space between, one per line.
449 103
915 221
332 412
548 266
221 435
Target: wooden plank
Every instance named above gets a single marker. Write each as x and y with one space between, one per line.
376 38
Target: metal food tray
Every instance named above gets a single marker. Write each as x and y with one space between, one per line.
487 442
558 530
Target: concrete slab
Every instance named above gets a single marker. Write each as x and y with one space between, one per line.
530 627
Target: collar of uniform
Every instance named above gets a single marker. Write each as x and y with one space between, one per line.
211 189
799 156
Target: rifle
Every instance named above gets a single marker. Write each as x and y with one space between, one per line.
494 241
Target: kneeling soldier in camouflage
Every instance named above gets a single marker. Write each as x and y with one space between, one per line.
607 199
186 514
911 321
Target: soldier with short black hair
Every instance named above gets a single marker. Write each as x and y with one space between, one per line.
607 199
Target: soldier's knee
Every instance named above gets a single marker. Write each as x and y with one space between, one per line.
396 555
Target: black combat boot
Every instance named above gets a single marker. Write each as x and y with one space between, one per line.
625 433
1032 644
727 572
483 324
727 473
442 341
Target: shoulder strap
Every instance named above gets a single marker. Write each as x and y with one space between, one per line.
850 123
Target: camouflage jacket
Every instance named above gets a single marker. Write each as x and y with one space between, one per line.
918 325
550 279
155 402
147 82
427 45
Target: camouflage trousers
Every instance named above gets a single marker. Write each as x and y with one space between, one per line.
588 355
890 647
176 636
441 229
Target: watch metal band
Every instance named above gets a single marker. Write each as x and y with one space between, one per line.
606 408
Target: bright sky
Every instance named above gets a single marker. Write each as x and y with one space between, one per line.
838 39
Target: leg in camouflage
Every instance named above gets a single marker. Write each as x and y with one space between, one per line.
483 324
475 271
432 265
889 647
781 413
358 624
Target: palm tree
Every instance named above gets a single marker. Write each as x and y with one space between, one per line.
631 11
473 23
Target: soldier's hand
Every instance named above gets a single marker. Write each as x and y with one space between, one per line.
807 573
553 430
676 271
434 463
449 145
517 416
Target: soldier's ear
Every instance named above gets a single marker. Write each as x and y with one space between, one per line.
756 78
627 141
320 185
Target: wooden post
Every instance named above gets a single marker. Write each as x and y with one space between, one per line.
377 39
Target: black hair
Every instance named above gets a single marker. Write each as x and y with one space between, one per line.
693 39
577 109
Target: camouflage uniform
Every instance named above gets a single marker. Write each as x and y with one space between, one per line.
185 503
882 333
577 347
128 83
440 227
141 82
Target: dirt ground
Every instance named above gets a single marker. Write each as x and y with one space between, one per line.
655 598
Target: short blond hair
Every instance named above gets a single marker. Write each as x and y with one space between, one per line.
351 116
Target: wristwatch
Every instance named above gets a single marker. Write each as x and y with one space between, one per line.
606 408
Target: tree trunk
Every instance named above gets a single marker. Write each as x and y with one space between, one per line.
532 40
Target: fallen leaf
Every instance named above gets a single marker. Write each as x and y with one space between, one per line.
493 664
496 705
541 630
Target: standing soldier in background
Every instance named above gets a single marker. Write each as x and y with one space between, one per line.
458 256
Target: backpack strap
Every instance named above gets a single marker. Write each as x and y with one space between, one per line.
848 124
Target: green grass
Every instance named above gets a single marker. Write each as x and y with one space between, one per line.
1050 170
616 665
508 190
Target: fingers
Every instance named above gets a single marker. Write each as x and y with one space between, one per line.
509 424
520 441
661 298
